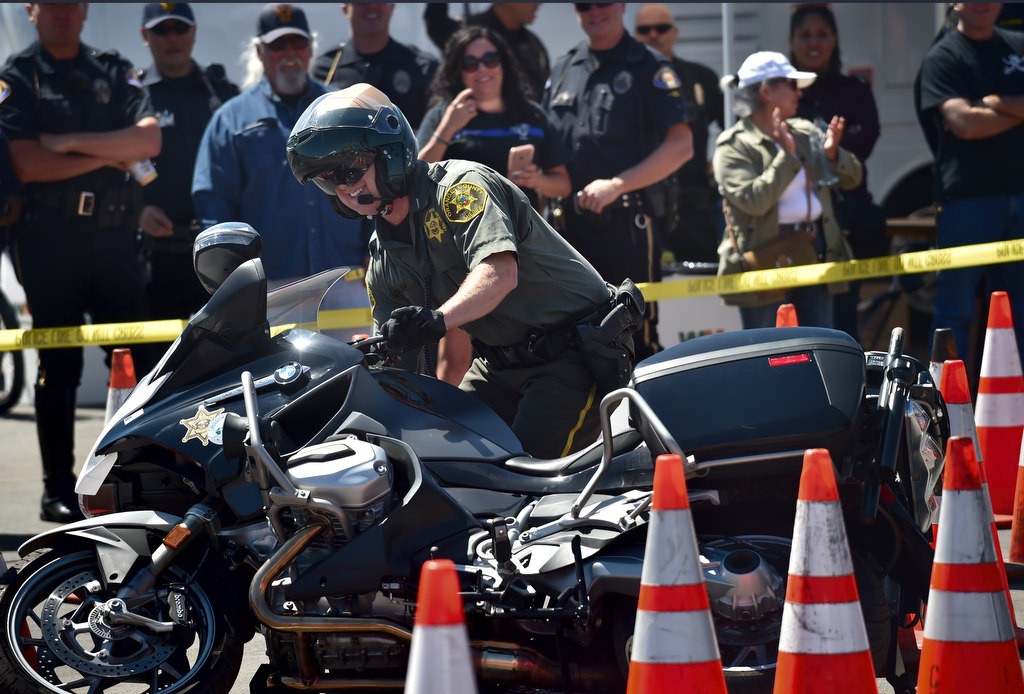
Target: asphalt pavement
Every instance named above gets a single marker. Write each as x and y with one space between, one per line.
22 488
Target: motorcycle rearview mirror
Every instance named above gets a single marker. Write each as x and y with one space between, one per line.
220 249
235 429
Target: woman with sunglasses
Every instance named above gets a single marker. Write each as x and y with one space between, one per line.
775 185
482 106
814 46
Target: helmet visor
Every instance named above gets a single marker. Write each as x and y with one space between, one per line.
349 168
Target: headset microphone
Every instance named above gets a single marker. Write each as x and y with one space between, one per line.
386 204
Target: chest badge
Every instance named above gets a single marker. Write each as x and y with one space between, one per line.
463 202
402 82
433 227
201 426
101 91
622 82
666 78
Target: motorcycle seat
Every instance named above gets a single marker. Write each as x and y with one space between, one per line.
580 460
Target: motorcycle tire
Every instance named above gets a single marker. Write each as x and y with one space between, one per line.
49 634
877 623
12 362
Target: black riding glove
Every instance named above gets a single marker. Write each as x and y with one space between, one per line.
411 327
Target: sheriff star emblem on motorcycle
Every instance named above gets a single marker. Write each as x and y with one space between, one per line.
198 427
463 201
433 227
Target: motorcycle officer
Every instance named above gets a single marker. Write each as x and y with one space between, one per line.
459 246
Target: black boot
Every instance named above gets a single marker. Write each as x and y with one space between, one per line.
55 426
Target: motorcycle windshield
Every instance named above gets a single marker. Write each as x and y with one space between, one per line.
305 303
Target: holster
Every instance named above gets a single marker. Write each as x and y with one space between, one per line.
607 346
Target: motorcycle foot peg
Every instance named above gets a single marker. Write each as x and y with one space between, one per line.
501 545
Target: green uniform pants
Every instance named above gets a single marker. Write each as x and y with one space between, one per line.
552 408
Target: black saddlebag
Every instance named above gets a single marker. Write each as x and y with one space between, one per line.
756 392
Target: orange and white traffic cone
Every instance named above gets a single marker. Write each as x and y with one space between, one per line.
440 660
122 380
943 349
785 317
968 635
674 643
823 645
955 392
1000 408
1017 528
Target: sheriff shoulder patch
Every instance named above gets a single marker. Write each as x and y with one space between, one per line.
666 78
433 227
5 89
463 201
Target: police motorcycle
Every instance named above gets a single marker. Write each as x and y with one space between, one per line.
293 484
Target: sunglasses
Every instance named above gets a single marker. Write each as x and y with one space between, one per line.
776 81
587 6
165 28
349 173
645 29
296 42
490 60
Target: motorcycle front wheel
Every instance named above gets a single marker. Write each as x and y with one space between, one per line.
54 637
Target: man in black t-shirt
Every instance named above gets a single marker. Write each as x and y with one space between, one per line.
971 97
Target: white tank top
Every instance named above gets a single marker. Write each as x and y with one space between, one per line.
793 203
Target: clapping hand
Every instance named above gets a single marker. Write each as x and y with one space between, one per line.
833 135
780 132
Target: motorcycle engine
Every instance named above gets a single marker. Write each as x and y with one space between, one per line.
354 475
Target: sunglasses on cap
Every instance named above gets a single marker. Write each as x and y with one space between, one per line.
645 29
587 6
776 81
165 28
349 173
294 41
471 63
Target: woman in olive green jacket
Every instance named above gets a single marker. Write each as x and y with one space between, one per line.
773 183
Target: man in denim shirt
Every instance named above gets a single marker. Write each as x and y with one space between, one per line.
241 173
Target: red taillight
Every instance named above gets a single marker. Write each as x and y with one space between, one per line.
802 358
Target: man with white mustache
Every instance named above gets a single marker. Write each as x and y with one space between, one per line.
241 173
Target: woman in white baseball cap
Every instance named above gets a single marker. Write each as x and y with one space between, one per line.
773 172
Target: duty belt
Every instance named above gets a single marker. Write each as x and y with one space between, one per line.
542 346
109 207
70 203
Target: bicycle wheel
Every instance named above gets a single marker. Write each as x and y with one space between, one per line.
12 363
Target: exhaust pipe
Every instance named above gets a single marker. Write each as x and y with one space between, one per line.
492 660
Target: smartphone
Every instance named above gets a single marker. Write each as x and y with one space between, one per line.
519 157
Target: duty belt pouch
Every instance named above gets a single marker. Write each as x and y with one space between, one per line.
607 346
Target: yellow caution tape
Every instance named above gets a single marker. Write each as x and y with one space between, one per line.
757 280
827 273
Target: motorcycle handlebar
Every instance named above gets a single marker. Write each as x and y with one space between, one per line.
897 380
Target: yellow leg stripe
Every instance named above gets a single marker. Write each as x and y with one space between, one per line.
579 421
